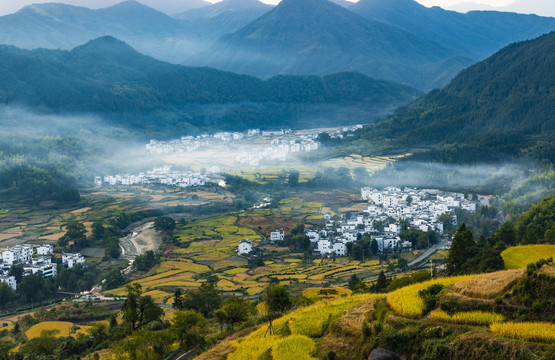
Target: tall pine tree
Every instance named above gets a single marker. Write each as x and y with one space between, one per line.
463 250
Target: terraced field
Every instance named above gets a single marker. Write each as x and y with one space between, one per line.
60 328
518 256
208 247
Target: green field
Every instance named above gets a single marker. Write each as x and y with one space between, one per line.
519 256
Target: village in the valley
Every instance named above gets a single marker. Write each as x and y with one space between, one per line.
34 260
253 148
382 220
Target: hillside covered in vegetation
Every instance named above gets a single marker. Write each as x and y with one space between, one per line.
497 109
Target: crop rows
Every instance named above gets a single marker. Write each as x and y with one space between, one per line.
530 331
304 321
488 285
468 318
406 302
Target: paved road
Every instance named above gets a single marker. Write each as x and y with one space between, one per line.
414 263
428 253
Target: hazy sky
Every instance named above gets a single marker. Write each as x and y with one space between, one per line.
10 6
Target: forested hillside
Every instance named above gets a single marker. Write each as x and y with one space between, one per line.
497 109
108 77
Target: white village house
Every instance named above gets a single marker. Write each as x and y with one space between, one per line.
69 260
277 235
245 247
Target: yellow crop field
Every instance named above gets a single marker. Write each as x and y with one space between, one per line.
157 295
333 272
182 265
227 285
519 256
303 321
63 329
294 347
530 331
406 302
255 290
487 286
238 270
468 318
310 322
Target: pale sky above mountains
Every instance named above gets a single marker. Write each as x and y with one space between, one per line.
540 7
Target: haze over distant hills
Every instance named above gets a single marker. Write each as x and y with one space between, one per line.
108 77
59 26
541 7
476 34
498 107
318 37
397 40
227 16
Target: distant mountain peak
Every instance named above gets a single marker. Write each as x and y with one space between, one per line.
107 45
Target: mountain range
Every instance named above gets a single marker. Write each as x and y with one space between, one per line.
60 26
476 34
224 17
396 40
500 107
319 37
108 77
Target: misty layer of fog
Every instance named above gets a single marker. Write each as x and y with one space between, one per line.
490 178
111 150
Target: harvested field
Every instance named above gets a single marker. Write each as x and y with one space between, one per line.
488 286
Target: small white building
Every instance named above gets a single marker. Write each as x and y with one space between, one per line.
324 247
17 254
10 280
45 249
339 248
69 260
313 235
245 247
277 235
44 266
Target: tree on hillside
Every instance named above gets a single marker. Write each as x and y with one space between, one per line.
164 223
205 300
139 310
277 301
190 328
506 233
353 282
463 249
293 178
234 310
97 231
538 223
75 232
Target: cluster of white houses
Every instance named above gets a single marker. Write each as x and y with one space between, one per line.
279 150
383 218
193 143
164 176
34 260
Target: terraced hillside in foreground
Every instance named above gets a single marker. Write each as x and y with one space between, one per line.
505 314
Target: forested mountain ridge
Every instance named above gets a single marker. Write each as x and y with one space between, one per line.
107 76
477 34
62 26
399 40
296 35
498 107
224 17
